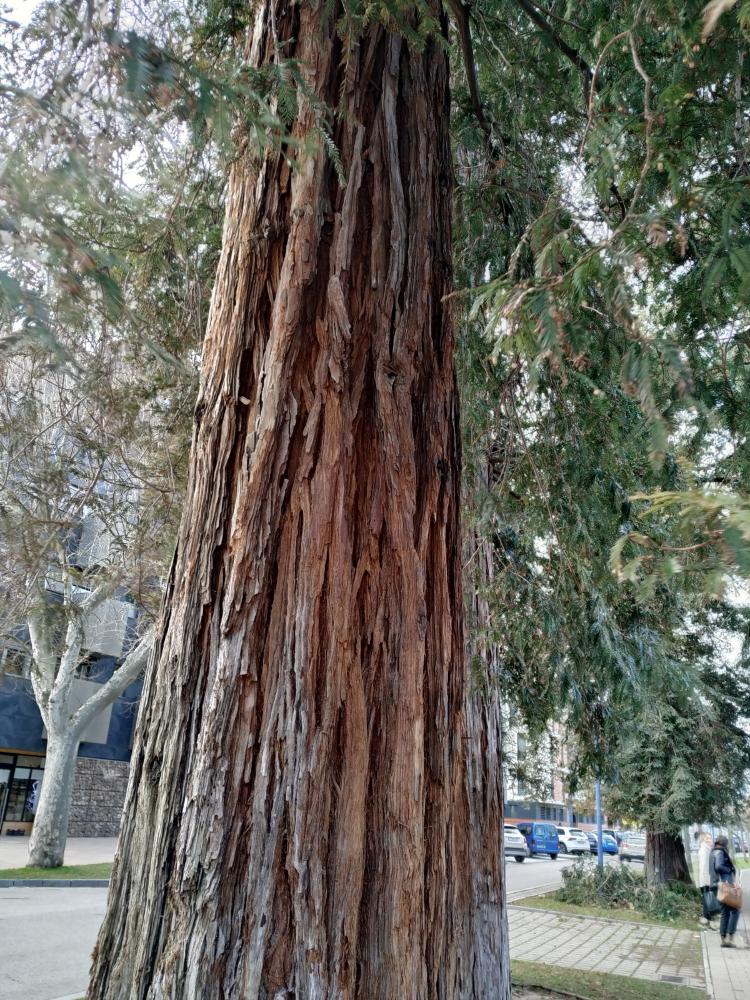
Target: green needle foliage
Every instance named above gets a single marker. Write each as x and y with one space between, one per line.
602 223
622 190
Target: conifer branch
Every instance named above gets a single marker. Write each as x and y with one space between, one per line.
461 15
570 53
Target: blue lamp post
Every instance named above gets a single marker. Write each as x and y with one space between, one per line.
599 843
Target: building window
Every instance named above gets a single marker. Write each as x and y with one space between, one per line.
20 782
88 667
15 661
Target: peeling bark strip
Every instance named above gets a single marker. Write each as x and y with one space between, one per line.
297 815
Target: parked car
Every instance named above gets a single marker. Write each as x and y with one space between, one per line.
514 843
633 847
615 835
572 840
609 844
541 838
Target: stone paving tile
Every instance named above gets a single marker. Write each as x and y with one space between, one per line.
629 949
729 969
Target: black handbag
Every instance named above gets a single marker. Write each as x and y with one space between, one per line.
713 906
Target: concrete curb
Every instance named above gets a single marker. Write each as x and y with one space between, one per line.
46 883
538 890
707 968
604 920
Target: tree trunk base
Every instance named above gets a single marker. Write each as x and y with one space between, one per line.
665 859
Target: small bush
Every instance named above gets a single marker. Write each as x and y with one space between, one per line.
619 888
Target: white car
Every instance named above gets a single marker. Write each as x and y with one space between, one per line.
572 840
514 843
633 847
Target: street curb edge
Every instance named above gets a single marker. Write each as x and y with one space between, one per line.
46 883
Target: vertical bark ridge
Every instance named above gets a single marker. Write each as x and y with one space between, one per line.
296 816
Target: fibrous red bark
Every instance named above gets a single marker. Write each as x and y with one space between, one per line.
297 816
665 858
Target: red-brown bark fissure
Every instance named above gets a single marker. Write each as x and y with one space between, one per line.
297 816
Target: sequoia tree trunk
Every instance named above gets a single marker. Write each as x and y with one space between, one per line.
665 858
297 815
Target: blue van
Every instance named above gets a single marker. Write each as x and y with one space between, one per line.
541 838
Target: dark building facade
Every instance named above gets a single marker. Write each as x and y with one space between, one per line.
103 758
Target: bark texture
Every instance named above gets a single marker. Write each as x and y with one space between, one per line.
665 858
50 829
298 810
489 918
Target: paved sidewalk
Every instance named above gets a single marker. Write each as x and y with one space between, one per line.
729 969
643 951
78 850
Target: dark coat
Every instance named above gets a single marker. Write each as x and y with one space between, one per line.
720 866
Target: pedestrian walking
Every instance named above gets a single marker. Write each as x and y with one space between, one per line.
709 901
721 868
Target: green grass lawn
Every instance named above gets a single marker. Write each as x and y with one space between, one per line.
597 985
741 863
549 902
99 871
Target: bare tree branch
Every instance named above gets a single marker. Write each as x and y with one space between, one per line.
131 668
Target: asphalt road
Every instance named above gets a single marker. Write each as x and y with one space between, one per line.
47 935
46 939
538 875
534 875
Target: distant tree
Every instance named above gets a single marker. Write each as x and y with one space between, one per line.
683 761
104 285
74 524
683 755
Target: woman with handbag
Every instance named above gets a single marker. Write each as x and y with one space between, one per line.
722 868
710 903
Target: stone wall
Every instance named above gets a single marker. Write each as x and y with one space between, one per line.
98 797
